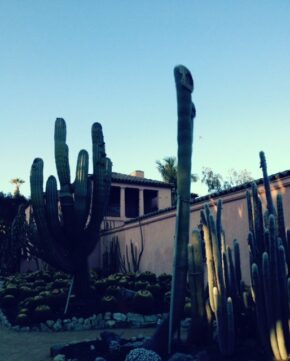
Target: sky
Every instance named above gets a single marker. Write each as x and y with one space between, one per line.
112 62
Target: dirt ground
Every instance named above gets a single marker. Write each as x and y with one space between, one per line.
35 346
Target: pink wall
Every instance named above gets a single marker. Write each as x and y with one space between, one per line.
159 230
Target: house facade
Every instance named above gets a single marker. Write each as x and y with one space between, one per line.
158 227
134 196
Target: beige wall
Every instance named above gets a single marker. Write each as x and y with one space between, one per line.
159 230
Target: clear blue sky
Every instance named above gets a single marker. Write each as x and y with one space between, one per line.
112 62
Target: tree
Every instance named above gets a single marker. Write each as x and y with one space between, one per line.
10 247
18 182
216 183
168 170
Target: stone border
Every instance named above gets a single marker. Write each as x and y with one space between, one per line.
96 321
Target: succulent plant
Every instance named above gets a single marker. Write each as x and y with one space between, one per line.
42 313
22 319
143 301
109 303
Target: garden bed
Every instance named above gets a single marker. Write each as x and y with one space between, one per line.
37 301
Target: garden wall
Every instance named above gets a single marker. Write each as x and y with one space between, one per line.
158 229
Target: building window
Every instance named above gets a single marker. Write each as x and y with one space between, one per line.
114 202
150 201
131 202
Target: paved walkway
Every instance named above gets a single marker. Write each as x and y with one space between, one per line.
35 346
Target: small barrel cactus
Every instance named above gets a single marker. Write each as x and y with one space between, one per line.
141 354
143 301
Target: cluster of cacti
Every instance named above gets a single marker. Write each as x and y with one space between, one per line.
69 233
24 295
111 257
223 278
269 258
114 261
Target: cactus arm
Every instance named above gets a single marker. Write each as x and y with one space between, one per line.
186 114
250 213
237 258
269 306
282 228
52 211
263 165
63 171
61 153
230 327
209 260
99 164
260 310
232 275
49 250
282 327
101 177
219 223
258 217
196 284
81 190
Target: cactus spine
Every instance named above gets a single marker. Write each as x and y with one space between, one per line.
65 242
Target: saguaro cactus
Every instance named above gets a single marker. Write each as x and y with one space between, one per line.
69 233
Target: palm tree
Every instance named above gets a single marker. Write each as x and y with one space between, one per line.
168 170
18 182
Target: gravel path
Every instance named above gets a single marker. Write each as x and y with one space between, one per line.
35 346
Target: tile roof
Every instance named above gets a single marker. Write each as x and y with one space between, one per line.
129 179
207 197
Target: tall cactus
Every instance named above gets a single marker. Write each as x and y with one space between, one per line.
196 287
68 236
186 114
269 270
221 277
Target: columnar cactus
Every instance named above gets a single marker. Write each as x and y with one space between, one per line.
221 275
196 287
186 114
69 233
269 269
